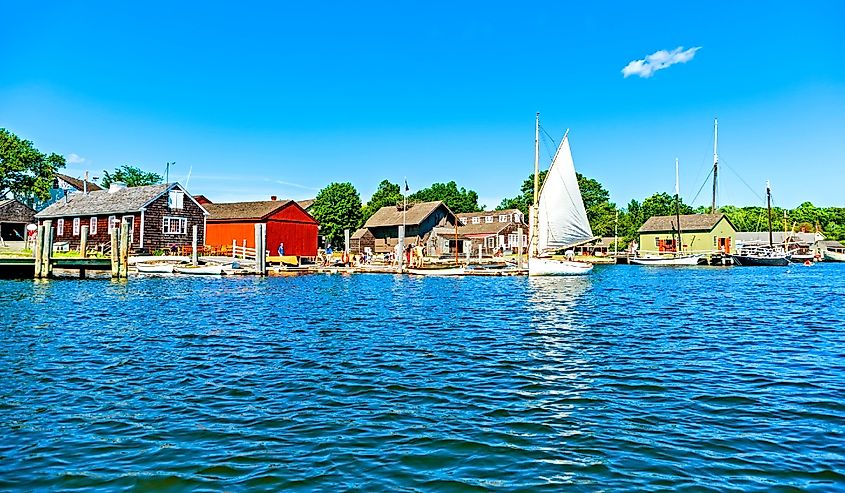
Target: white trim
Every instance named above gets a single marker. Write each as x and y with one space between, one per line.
92 225
60 227
77 224
141 234
166 223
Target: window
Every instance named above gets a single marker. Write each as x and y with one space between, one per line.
476 220
60 227
76 226
491 240
176 199
503 218
175 225
488 219
463 220
93 225
517 217
114 224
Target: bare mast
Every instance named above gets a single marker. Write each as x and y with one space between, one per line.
535 210
680 247
769 207
715 162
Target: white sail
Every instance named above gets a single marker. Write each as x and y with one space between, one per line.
562 218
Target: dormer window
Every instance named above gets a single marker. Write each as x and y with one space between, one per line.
476 220
488 219
463 220
503 218
176 199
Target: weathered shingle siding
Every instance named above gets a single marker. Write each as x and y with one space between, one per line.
154 237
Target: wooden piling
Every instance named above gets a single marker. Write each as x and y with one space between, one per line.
37 250
83 242
260 249
194 246
123 260
114 253
47 251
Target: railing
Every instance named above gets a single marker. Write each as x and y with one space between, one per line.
244 252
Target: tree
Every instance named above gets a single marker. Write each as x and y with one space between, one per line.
131 176
526 196
387 193
662 204
337 207
25 171
458 200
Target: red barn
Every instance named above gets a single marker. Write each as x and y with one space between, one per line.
287 222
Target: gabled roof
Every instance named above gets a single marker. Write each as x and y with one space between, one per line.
102 202
15 211
777 237
78 184
392 215
245 210
489 213
689 223
831 244
305 204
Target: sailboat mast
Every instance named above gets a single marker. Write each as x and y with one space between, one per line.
769 207
715 162
535 210
678 208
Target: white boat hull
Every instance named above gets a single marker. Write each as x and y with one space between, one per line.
452 271
834 256
205 270
551 267
666 261
154 268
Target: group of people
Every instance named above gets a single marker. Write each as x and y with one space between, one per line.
414 255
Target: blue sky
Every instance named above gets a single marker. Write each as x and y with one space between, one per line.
282 98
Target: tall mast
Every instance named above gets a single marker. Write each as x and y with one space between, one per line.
680 247
535 210
769 207
715 162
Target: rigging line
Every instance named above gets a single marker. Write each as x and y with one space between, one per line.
706 180
548 138
756 194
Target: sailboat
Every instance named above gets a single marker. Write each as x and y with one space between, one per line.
679 258
558 217
754 255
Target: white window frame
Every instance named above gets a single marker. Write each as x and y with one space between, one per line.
176 199
463 220
76 224
503 218
476 220
491 240
92 225
167 225
113 222
130 220
60 227
488 219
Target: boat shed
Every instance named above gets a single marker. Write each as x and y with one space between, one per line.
287 222
699 233
419 218
14 216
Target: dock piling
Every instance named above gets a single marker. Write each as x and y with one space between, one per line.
123 260
114 253
38 250
194 246
47 249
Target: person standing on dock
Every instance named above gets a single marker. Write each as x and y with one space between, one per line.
281 249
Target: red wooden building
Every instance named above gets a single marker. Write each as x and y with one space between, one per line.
287 222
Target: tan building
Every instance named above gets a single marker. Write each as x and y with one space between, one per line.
700 233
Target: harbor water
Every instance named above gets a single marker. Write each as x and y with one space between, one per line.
629 379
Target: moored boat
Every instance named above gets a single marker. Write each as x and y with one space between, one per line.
158 268
762 255
832 256
673 260
438 271
201 270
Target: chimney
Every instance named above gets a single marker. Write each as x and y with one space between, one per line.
274 198
85 183
115 186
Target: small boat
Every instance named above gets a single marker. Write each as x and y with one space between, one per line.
762 255
800 258
674 260
159 268
200 270
559 219
832 256
438 271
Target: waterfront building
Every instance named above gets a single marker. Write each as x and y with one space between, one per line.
699 233
381 231
286 221
600 247
489 231
159 216
14 216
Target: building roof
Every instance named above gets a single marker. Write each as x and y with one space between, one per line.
202 199
15 211
101 202
689 222
778 237
831 244
360 233
78 184
305 204
489 213
392 215
245 210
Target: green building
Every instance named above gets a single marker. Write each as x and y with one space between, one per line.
700 233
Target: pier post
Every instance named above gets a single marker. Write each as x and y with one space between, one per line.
47 251
114 253
346 240
83 242
38 250
234 244
401 258
123 268
260 248
194 246
519 242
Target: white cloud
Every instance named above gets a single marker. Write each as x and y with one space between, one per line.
658 60
74 158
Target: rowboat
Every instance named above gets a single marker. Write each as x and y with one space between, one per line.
154 268
438 271
200 270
